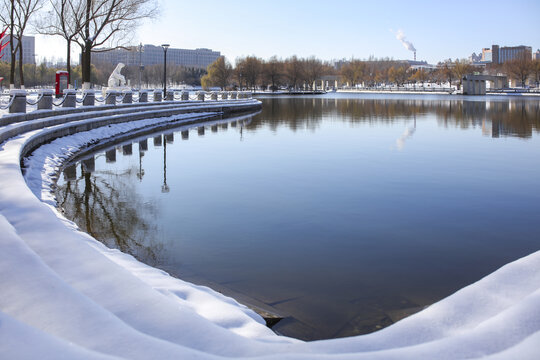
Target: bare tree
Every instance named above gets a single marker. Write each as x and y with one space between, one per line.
294 71
64 19
462 68
272 72
20 12
251 69
520 68
111 23
313 70
536 71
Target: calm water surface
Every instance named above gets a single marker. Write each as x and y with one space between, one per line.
342 213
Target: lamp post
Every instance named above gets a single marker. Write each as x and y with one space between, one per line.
141 67
165 47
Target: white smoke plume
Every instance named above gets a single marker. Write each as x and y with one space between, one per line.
401 37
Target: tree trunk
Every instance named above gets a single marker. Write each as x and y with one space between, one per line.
21 75
11 37
68 61
86 56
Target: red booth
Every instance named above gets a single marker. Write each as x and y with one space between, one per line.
62 82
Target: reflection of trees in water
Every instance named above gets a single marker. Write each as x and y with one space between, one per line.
505 118
107 206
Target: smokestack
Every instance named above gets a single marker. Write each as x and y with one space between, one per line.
407 44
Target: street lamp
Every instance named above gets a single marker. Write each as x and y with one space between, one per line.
141 67
165 47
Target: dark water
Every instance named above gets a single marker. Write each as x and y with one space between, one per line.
341 213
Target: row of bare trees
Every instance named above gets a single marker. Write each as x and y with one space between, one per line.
43 75
372 73
15 16
251 72
522 68
89 24
292 73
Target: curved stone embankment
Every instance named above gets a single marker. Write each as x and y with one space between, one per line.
65 295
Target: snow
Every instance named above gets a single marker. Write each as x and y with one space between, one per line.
65 295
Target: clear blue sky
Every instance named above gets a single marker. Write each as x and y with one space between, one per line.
344 28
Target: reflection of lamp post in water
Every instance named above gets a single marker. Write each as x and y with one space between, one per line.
140 174
143 146
164 187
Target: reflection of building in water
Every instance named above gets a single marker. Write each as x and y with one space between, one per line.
475 112
88 165
127 150
70 173
110 156
486 127
143 145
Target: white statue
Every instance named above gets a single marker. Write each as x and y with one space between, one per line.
117 80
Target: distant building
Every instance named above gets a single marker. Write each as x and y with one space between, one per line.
495 54
500 55
152 55
29 50
475 58
486 55
536 55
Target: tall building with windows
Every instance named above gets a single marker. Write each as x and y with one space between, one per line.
152 55
29 50
487 55
502 54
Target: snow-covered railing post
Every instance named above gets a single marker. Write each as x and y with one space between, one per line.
89 97
110 97
45 99
200 96
213 96
128 97
184 96
170 95
18 101
233 95
157 96
143 96
70 98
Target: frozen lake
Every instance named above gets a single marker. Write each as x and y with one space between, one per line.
343 213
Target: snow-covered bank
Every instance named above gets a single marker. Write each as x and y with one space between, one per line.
66 295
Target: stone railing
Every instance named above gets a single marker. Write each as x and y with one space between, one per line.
19 101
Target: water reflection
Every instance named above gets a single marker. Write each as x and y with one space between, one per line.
504 117
308 209
105 205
